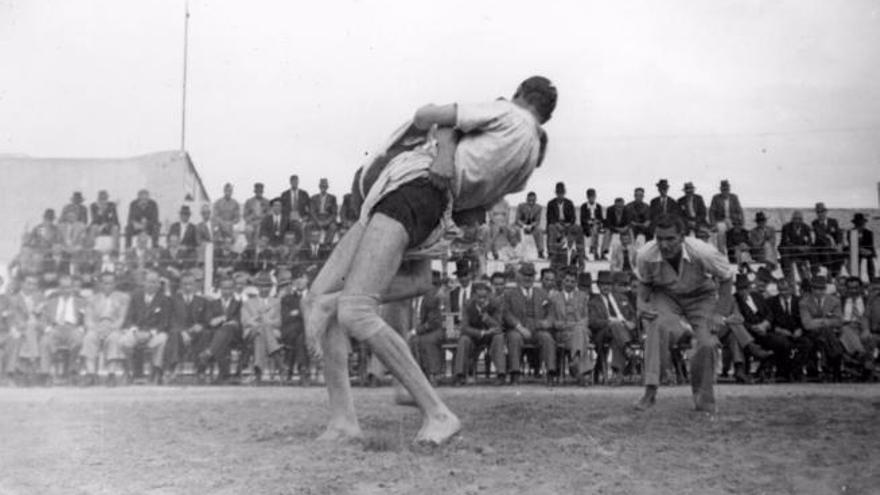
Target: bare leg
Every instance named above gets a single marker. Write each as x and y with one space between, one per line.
377 260
343 422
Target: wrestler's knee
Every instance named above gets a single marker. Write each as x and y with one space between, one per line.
359 314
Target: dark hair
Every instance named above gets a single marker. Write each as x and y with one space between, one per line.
274 200
666 221
591 191
294 176
540 93
481 286
498 275
531 193
547 270
640 189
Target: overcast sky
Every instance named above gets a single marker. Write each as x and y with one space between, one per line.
780 97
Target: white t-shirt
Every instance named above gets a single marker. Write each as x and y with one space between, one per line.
497 154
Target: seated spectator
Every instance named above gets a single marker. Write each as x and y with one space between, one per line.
663 204
189 319
561 218
855 335
693 209
224 328
794 246
429 332
261 323
723 210
141 256
549 282
872 314
175 259
105 220
146 325
46 234
257 258
762 241
612 329
7 341
185 230
481 328
470 246
822 318
76 206
758 320
104 317
314 252
272 226
73 231
143 216
639 213
27 309
501 239
738 246
255 208
786 317
567 251
623 257
64 325
227 212
225 259
827 241
295 204
323 211
867 251
209 231
592 219
461 294
287 254
528 219
570 308
56 262
292 325
616 223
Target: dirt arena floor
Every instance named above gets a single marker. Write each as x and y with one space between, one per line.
775 439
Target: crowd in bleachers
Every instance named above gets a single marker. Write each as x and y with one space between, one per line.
91 299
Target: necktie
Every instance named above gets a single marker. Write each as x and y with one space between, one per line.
663 204
561 213
691 208
786 304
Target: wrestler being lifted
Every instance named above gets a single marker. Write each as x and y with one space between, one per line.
450 158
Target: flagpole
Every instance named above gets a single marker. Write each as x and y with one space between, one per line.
185 53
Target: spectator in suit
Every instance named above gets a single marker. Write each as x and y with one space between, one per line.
185 230
105 219
723 210
209 232
348 212
64 324
758 319
481 328
561 217
80 212
867 251
175 259
872 314
566 251
528 218
27 309
616 222
693 208
261 320
663 204
314 252
428 332
592 219
143 216
293 327
227 211
786 318
570 307
604 320
56 262
794 246
146 325
295 204
189 318
104 317
827 241
257 258
639 214
225 259
323 211
549 281
46 234
855 334
613 308
623 258
73 232
822 318
461 294
141 256
255 208
762 241
501 239
272 225
224 327
738 243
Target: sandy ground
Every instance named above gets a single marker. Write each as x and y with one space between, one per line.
809 439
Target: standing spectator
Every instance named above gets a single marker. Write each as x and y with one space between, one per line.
64 325
528 218
209 232
185 230
254 210
104 317
827 241
639 215
693 208
794 246
143 216
73 232
570 307
867 251
663 204
762 241
81 213
272 225
224 325
822 318
323 211
261 321
147 322
295 205
616 223
428 334
591 222
227 211
105 219
561 217
724 209
623 258
46 234
480 329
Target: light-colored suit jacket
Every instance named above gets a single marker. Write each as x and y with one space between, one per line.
257 313
816 316
107 313
571 314
52 307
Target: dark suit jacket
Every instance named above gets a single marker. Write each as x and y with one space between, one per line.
617 221
638 212
300 203
586 216
267 228
699 217
567 211
156 316
815 316
348 212
532 313
184 259
232 313
790 321
656 208
477 319
184 316
430 317
454 306
106 217
148 211
148 259
291 316
330 208
751 317
716 209
827 233
866 241
307 252
252 262
189 238
528 215
794 236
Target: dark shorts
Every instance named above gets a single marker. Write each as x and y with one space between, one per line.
417 205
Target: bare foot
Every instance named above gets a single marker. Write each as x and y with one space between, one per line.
317 311
402 397
338 432
647 401
438 429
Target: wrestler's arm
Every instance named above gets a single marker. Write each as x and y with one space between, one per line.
444 117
